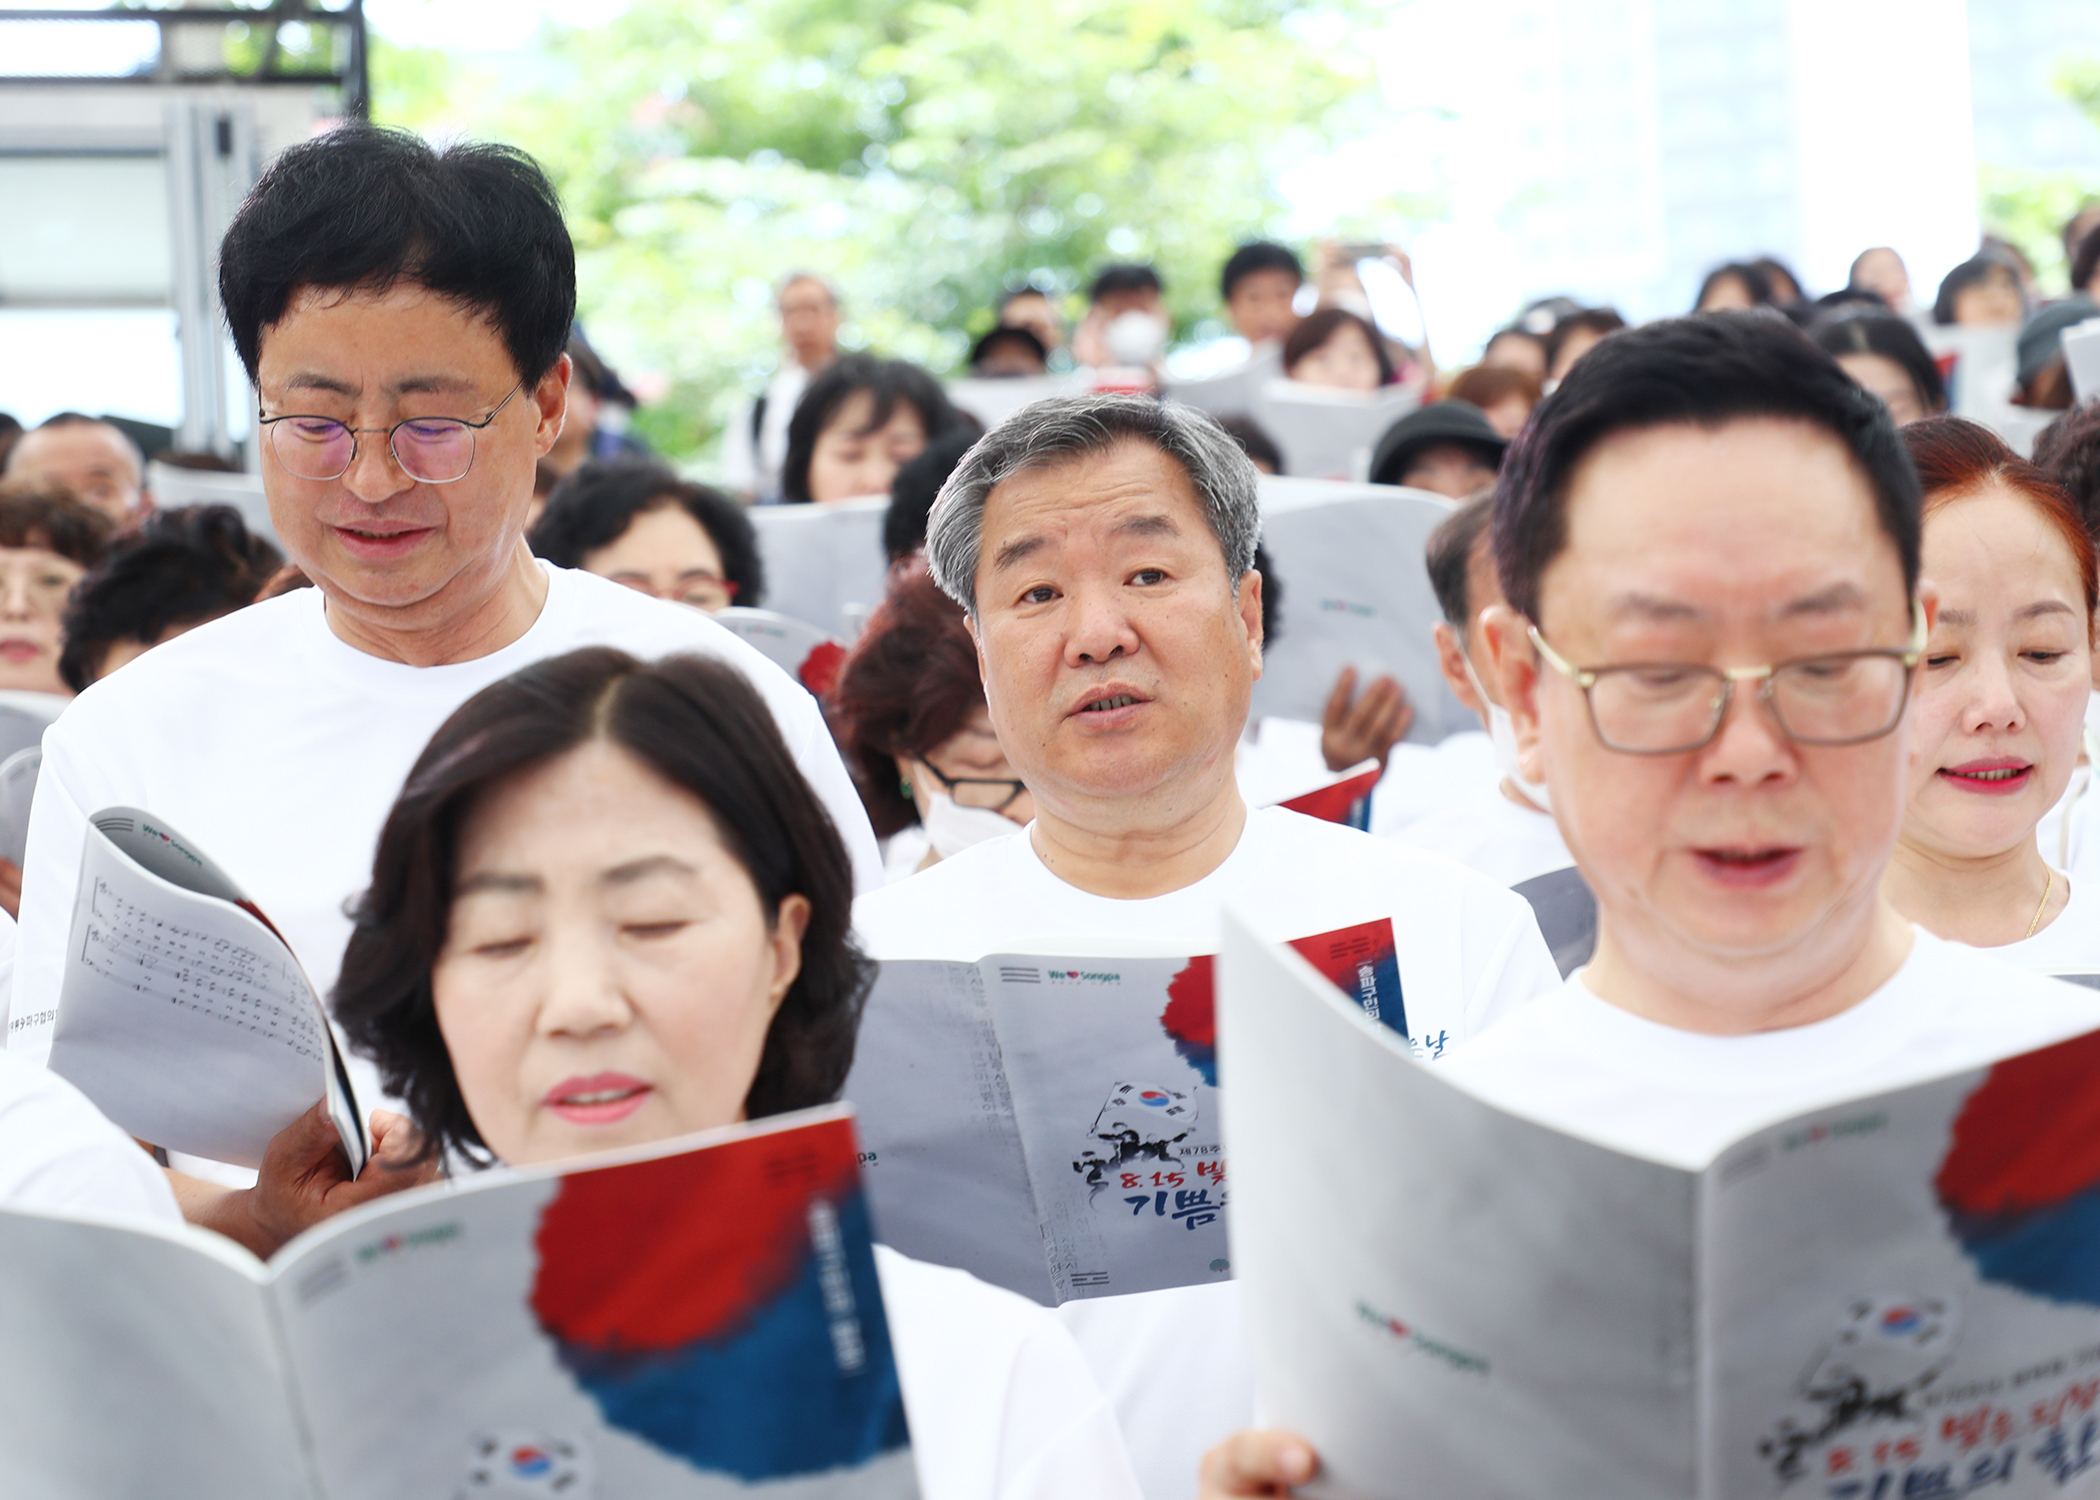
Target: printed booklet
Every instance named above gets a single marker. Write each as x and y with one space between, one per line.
1356 594
1892 1298
182 1013
1051 1124
699 1318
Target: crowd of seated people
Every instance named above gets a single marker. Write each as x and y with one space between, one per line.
1787 671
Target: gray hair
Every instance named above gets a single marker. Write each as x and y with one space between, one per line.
1063 428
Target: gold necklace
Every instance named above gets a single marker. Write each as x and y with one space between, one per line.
2048 885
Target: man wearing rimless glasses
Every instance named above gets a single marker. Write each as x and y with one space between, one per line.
1709 544
403 315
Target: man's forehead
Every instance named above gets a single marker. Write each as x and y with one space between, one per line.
406 335
93 445
1104 489
1777 505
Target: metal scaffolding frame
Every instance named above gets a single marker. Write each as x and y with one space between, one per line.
213 106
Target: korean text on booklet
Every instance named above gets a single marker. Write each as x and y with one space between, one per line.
182 1013
1896 1296
1051 1124
701 1318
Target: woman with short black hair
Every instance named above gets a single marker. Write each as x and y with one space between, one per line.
858 422
605 911
636 522
1884 354
179 569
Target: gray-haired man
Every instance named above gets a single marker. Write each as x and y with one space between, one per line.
1103 547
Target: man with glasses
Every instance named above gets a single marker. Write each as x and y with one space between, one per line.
403 315
1102 547
1709 540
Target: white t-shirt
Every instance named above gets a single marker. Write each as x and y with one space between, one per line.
2068 945
280 749
1175 1362
57 1151
1001 1403
754 466
904 851
1486 831
1419 779
1278 759
1581 1064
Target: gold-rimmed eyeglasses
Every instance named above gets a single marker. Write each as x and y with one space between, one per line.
1667 708
431 450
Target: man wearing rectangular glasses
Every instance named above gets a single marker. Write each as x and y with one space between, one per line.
1709 543
403 314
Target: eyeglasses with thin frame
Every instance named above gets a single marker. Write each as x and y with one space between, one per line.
1668 708
430 450
993 794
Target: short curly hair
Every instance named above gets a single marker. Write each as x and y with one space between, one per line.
699 724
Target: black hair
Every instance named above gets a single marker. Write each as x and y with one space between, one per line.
1258 255
1892 338
1753 278
1772 265
1271 597
2086 260
364 207
1704 371
1254 441
46 513
1518 331
1598 320
1027 289
1316 329
1970 272
1000 333
1450 557
700 725
2068 450
180 567
916 487
1126 277
1852 298
594 506
888 381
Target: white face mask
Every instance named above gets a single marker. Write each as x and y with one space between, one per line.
952 828
1502 733
1135 338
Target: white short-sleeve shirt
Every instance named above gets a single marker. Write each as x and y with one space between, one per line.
1002 1405
1581 1064
1175 1362
1486 831
2068 945
279 748
57 1151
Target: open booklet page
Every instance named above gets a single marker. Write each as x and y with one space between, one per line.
182 1013
1051 1124
1356 594
1894 1297
701 1320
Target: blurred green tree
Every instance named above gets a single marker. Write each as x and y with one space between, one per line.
2031 207
922 154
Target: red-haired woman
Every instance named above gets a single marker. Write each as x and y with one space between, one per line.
909 713
2000 713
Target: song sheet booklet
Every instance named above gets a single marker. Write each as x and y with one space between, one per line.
1050 1123
182 1013
1893 1297
698 1318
